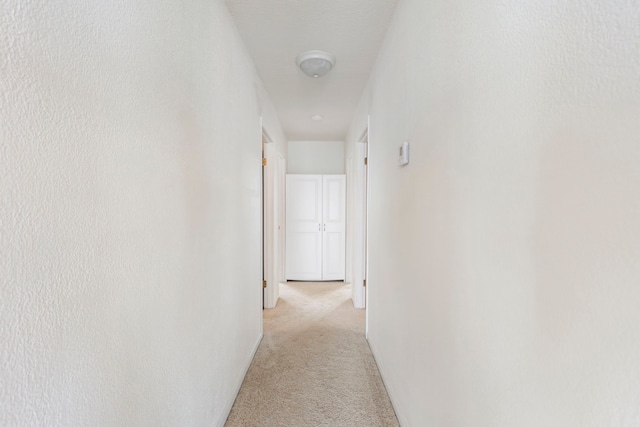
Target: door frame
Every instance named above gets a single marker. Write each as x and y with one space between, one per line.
282 217
360 177
270 222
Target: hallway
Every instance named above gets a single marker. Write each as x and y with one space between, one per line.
502 262
314 366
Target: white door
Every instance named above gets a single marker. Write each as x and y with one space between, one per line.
315 227
333 241
304 222
282 209
270 224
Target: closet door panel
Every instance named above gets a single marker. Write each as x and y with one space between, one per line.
304 227
333 239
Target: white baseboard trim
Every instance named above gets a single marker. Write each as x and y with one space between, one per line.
390 391
232 399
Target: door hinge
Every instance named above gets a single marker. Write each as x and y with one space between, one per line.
264 283
366 161
264 161
364 283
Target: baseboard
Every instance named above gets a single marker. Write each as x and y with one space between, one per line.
229 405
390 391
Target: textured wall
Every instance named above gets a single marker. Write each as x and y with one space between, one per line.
504 264
315 157
129 212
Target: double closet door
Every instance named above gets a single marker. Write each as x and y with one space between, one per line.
316 227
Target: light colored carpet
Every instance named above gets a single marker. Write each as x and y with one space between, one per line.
313 366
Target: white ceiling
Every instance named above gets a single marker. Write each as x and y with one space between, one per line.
275 31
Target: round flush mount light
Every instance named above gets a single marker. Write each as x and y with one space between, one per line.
317 117
315 63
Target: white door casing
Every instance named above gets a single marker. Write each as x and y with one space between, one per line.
282 255
348 255
271 242
356 227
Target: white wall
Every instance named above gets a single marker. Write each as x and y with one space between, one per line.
505 259
315 157
129 212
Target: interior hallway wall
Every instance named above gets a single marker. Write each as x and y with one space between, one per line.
130 264
316 157
505 258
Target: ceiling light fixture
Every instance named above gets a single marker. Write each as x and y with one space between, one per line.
317 117
315 63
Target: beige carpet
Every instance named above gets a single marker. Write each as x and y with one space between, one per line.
314 366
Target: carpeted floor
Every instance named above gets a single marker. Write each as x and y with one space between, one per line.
313 366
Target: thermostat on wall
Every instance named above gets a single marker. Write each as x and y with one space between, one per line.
404 154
